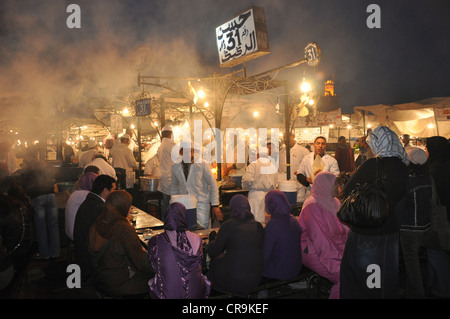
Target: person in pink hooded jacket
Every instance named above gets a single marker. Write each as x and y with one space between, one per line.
323 235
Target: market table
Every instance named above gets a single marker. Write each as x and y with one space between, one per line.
145 220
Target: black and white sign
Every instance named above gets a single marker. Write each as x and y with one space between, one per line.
143 107
242 38
312 54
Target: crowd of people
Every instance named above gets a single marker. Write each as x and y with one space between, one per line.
260 242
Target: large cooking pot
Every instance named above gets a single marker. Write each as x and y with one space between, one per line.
149 184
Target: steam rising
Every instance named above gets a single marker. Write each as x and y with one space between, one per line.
46 67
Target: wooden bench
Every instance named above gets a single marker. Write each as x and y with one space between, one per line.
314 285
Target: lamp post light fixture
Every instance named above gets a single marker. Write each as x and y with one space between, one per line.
305 87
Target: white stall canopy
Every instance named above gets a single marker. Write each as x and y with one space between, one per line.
423 118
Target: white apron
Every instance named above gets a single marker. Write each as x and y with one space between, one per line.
257 205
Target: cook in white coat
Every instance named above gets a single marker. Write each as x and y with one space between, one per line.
195 178
152 167
297 153
260 177
122 158
104 167
306 172
164 154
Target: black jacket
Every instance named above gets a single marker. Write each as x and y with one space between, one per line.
396 173
414 208
87 213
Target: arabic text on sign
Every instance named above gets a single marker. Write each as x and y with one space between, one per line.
237 37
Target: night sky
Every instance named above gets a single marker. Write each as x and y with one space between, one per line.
407 59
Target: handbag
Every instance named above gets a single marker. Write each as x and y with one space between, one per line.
367 205
440 228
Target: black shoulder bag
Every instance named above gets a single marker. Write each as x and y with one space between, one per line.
367 205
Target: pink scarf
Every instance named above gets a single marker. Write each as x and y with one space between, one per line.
321 193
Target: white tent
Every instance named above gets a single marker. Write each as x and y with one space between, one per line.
423 118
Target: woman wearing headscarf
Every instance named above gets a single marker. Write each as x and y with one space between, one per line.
324 236
76 199
282 239
438 149
176 256
370 264
120 265
236 264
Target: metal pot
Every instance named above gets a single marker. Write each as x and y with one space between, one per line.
149 184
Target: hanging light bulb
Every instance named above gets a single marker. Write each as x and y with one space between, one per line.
305 87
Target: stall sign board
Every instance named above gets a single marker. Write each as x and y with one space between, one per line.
308 134
442 114
328 118
242 38
143 107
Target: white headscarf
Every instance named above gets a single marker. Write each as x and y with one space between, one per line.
385 143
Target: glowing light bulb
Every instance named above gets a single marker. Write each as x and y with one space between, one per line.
305 87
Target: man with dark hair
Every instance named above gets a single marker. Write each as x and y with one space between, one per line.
89 210
365 152
315 162
345 156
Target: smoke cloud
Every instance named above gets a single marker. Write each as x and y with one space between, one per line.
47 68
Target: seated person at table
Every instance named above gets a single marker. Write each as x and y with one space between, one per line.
176 255
120 264
236 264
323 236
76 199
86 215
282 239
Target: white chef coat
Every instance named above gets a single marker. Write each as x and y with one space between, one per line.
260 177
200 183
104 167
297 154
152 167
164 154
330 165
306 167
122 157
87 157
